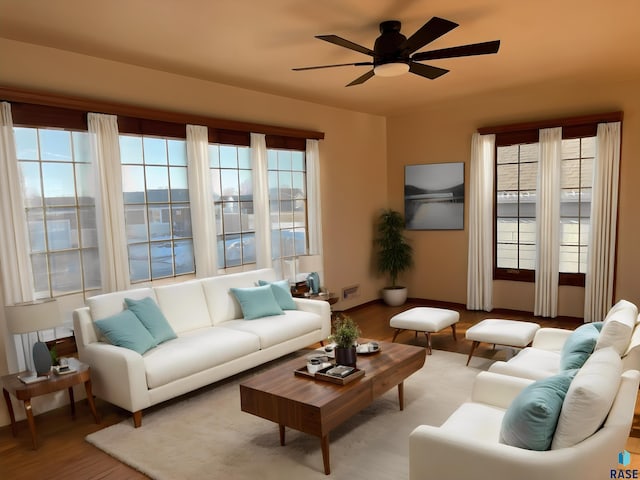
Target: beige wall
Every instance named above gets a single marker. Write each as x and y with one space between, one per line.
363 158
442 133
353 154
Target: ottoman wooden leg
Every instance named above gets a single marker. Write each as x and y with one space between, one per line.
428 335
395 334
453 330
473 347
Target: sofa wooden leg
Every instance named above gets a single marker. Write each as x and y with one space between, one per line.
137 419
453 330
473 347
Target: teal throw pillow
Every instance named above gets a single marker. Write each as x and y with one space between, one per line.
125 330
579 346
257 302
531 419
149 313
282 292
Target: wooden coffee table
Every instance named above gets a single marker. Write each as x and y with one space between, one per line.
316 407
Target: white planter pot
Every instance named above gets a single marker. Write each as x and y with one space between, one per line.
394 296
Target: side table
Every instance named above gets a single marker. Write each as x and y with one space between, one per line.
11 385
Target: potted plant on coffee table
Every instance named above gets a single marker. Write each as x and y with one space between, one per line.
395 255
345 334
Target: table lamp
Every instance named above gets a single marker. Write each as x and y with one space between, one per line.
29 317
311 265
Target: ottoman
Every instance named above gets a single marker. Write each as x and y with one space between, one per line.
512 333
425 319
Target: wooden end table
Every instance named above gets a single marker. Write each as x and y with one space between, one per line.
12 385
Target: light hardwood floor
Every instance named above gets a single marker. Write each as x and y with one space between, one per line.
63 453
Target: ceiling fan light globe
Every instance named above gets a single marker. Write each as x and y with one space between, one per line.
393 69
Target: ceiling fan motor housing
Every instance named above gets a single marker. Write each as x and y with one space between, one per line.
387 47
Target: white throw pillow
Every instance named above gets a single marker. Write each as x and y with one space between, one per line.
618 327
589 398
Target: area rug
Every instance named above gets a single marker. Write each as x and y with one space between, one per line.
206 435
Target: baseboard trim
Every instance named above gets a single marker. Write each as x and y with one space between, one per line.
412 301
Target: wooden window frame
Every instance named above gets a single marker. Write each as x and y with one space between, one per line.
572 127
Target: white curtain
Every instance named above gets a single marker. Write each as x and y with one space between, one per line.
604 211
314 205
262 218
203 218
15 264
548 223
112 236
480 261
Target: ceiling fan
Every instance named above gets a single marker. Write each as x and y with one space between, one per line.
393 53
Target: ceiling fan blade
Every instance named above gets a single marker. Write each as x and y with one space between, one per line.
358 64
362 78
426 70
433 29
483 48
336 40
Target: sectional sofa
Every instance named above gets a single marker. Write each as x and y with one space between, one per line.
559 410
207 339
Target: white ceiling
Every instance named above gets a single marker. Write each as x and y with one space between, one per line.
255 43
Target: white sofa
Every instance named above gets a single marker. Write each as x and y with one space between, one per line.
621 329
467 445
505 434
213 340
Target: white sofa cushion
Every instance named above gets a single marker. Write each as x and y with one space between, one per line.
531 358
589 398
278 328
221 302
618 327
476 421
108 304
194 352
184 305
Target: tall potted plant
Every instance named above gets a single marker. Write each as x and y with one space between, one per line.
395 255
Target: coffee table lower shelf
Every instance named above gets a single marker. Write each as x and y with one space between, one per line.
317 407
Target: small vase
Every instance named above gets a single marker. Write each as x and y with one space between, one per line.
346 356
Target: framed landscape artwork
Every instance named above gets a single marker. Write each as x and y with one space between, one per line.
434 196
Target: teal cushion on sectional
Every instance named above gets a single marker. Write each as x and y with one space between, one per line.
282 292
257 302
531 419
149 313
579 346
125 330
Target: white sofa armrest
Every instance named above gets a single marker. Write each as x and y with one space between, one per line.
448 455
319 307
496 389
118 375
551 338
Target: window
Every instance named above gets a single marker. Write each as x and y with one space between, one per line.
232 186
516 181
287 203
60 210
157 213
156 207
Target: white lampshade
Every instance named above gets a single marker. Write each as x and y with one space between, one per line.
309 263
33 316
